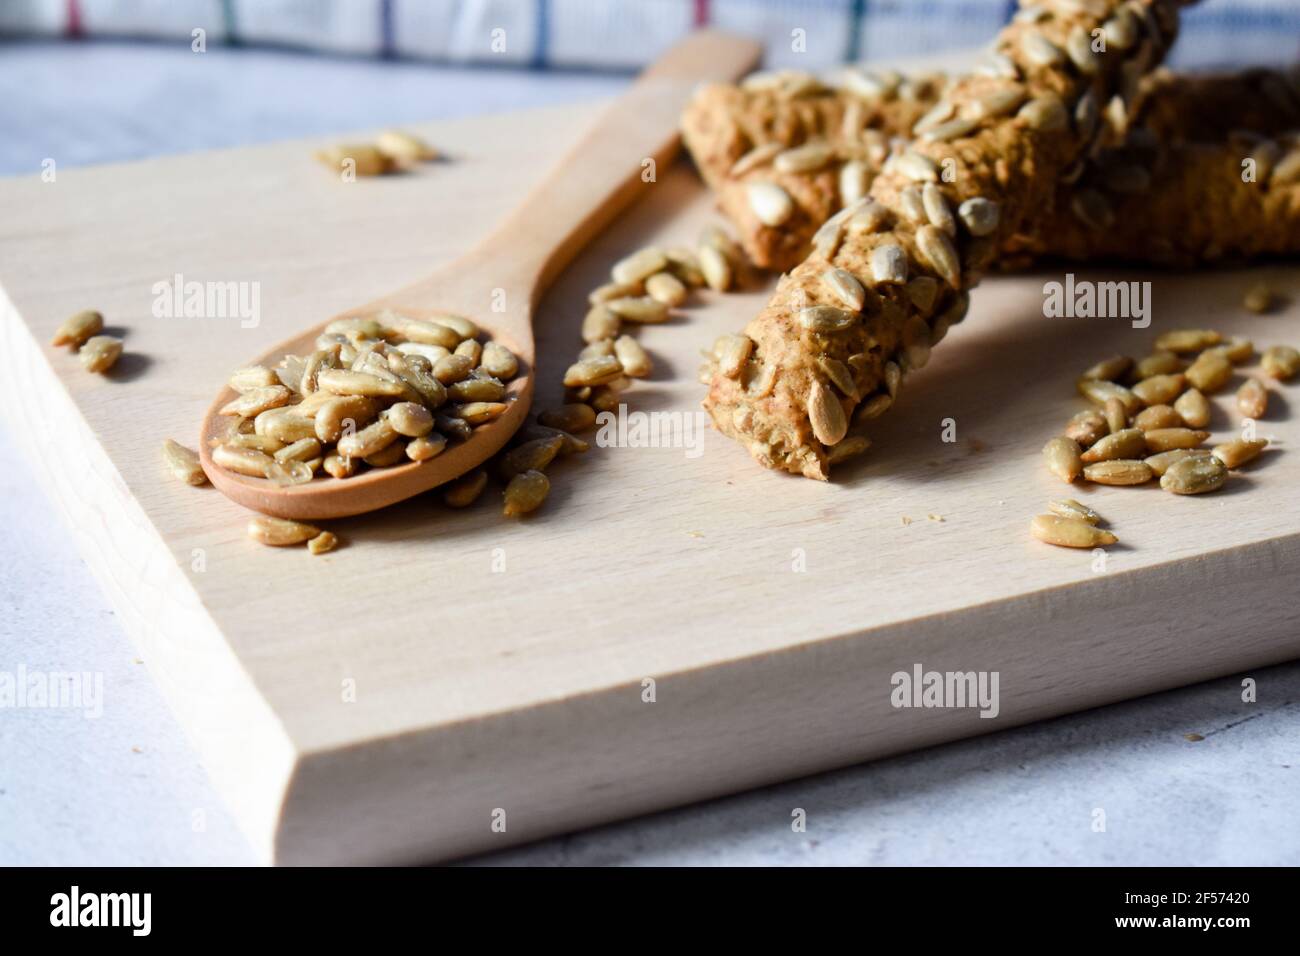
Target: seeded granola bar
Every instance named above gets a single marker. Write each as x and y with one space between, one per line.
791 135
889 274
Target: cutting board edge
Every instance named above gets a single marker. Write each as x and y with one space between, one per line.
241 742
444 783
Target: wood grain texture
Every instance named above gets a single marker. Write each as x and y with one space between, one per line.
521 689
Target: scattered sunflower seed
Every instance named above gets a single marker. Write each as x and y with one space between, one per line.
1187 340
1159 416
770 203
1258 298
280 532
1069 508
980 216
1160 463
325 541
1110 369
1069 532
100 353
1194 475
1236 453
1126 443
574 417
465 490
1210 372
1119 472
1281 362
1252 398
1168 439
1062 456
183 463
77 329
525 493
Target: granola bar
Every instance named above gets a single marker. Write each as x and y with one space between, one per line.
827 351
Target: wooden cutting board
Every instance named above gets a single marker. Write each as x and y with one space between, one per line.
448 672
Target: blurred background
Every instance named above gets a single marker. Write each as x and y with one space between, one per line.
109 80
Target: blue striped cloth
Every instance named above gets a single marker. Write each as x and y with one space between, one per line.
623 34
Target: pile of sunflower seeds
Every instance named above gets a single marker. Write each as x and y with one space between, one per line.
1149 422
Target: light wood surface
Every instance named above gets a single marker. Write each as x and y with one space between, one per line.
499 282
521 688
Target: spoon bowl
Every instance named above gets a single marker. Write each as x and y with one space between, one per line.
498 284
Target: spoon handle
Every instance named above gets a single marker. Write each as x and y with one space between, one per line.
615 163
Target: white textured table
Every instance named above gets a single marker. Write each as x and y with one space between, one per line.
124 787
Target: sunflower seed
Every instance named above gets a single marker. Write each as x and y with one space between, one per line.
937 114
1236 453
1121 30
1110 369
936 208
286 424
1039 50
1287 171
1194 408
1157 363
242 461
826 415
304 449
732 353
1210 372
280 532
1079 47
760 155
1187 340
338 466
1160 463
1252 398
917 167
999 65
845 287
425 447
78 328
1116 415
569 418
1236 350
1069 508
1086 428
472 350
1280 362
716 268
593 371
1119 472
940 253
639 266
410 419
477 390
429 333
465 490
947 132
1062 457
253 402
611 290
350 412
893 378
452 426
1045 113
1098 391
287 473
635 360
915 342
478 413
183 463
873 407
345 382
807 158
825 319
1168 439
600 323
854 179
888 264
525 493
360 159
1069 532
867 219
430 353
641 309
462 326
99 353
534 455
1160 389
770 203
912 205
499 361
666 288
1158 416
403 147
1125 443
979 215
369 440
1194 475
452 369
323 542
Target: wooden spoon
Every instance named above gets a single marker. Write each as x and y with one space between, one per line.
600 177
